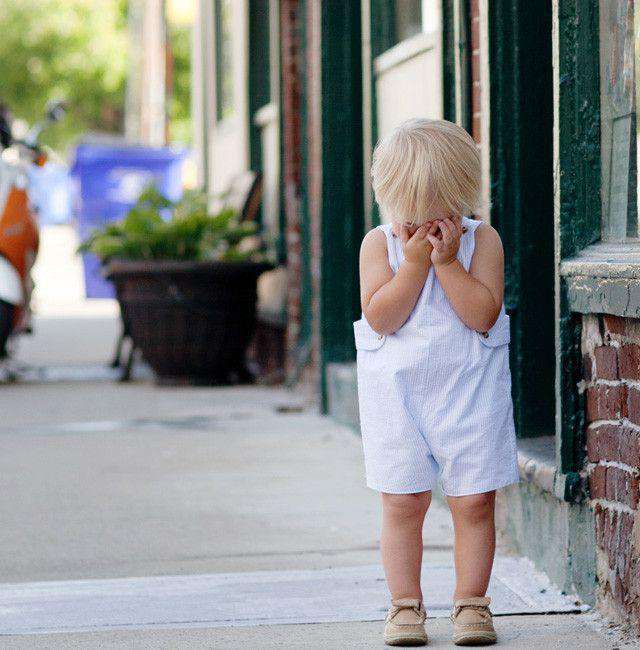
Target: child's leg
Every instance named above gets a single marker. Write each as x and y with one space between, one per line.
475 542
401 542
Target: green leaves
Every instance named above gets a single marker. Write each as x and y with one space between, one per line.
156 228
78 50
71 49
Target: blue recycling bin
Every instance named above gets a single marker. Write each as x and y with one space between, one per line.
109 181
50 193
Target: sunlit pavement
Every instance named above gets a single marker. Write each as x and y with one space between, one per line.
103 480
135 516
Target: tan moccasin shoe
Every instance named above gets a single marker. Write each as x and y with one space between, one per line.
472 623
404 624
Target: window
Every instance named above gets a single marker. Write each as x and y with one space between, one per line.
224 60
413 17
619 50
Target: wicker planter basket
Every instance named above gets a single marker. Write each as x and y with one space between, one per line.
192 321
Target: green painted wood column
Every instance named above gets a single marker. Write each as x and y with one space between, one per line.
578 206
259 74
341 209
521 103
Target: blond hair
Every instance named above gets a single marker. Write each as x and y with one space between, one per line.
424 164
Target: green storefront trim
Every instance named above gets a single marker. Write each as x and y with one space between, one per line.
521 105
342 205
577 196
452 42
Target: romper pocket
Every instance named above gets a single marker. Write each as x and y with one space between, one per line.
366 337
499 334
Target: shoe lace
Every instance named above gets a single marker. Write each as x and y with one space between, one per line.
483 610
417 609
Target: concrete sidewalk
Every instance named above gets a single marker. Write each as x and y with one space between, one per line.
109 481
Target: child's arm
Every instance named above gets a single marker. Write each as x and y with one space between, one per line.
387 299
476 296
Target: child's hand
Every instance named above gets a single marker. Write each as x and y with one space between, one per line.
446 245
418 249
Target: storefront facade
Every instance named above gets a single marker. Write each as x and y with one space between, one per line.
548 92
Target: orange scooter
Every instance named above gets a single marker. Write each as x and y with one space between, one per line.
18 223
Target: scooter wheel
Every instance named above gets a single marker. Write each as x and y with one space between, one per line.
6 325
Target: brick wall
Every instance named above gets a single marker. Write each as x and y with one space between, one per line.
476 83
297 70
478 24
290 40
611 349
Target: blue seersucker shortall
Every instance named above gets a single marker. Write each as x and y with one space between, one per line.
435 396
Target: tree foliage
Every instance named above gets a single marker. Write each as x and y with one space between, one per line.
179 104
71 49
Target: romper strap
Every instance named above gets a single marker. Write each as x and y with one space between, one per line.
392 246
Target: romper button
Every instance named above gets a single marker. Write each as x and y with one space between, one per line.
380 337
485 335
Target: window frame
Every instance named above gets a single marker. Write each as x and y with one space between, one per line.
223 113
618 121
599 275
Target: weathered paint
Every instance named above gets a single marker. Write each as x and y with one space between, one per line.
342 394
456 71
577 197
527 514
448 61
522 198
259 73
618 123
601 295
342 220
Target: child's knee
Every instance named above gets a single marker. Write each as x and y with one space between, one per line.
473 508
406 506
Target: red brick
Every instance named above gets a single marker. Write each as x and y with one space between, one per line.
475 32
601 516
606 362
600 441
587 367
634 580
598 482
476 128
626 531
613 484
613 531
476 97
606 402
629 447
610 523
617 328
633 405
613 442
613 325
621 486
629 361
475 67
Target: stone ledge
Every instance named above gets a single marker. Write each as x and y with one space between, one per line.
604 295
604 278
537 465
536 461
605 260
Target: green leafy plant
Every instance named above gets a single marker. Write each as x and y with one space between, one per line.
158 229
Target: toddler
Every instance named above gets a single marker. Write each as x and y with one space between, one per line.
433 370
